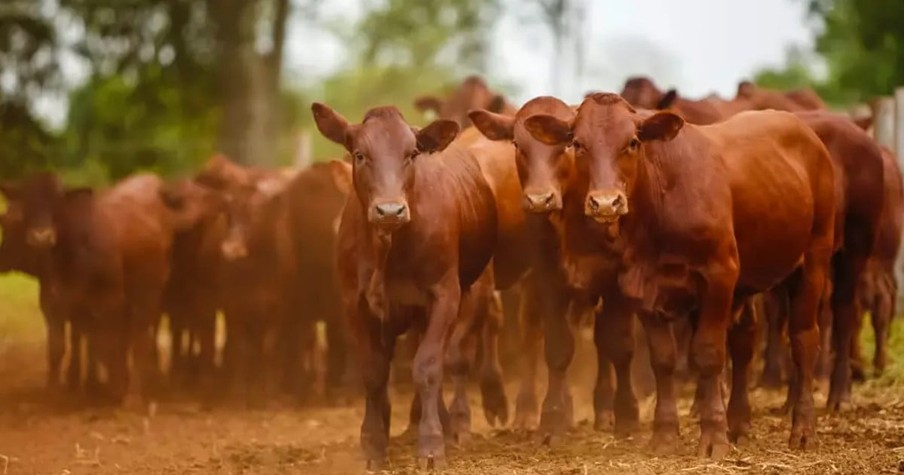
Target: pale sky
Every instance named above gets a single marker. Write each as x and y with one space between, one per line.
698 46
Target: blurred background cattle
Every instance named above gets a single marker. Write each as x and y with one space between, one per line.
177 219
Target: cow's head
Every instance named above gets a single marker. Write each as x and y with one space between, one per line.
190 203
252 214
383 150
13 247
45 204
640 91
608 138
544 169
473 93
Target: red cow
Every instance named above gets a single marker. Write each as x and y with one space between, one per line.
547 177
472 93
17 255
691 206
108 255
879 285
399 265
191 297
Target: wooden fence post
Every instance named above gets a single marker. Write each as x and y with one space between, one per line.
303 150
884 121
899 151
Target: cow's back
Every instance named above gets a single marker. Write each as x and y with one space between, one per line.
859 173
142 227
781 181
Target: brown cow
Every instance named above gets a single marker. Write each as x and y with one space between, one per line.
109 259
761 98
191 297
17 255
308 202
472 93
859 192
642 92
547 174
399 265
258 277
879 285
691 205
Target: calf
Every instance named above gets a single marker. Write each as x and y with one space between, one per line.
398 264
547 177
879 284
311 201
17 255
191 298
108 255
691 206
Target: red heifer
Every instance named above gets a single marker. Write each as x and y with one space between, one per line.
472 93
109 258
691 206
17 255
879 286
547 174
641 92
760 98
191 297
397 259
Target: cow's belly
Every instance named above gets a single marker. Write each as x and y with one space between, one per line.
773 224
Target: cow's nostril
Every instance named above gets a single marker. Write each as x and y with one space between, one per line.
390 209
617 202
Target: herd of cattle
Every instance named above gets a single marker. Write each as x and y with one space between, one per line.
704 220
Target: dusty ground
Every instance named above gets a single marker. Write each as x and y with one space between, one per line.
53 434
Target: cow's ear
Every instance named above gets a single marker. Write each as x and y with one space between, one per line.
493 126
864 122
548 129
668 99
341 173
746 89
497 104
330 123
662 125
437 135
9 190
428 104
171 197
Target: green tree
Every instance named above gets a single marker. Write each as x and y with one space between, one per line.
28 50
862 42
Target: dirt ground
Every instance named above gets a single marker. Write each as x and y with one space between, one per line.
44 433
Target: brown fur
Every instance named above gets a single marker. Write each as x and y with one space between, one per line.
689 206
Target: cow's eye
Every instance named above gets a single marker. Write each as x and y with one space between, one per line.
411 156
359 157
576 145
634 144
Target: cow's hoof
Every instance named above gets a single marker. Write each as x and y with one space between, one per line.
432 462
375 465
664 442
495 404
604 421
713 443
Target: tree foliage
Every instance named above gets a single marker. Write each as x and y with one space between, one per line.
861 42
